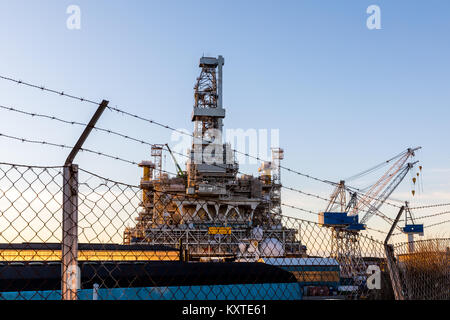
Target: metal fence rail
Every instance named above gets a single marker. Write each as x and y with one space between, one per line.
76 235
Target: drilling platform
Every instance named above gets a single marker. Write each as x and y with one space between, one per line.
211 209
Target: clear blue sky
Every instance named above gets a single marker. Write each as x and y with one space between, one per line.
344 97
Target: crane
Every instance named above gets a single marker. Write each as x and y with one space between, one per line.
342 217
180 172
378 193
370 202
411 228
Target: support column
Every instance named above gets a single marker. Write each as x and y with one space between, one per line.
410 242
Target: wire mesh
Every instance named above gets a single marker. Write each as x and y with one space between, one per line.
91 238
30 230
425 269
221 257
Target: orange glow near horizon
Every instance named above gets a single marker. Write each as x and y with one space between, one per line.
12 255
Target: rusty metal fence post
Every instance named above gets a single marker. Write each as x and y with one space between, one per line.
70 272
394 272
69 267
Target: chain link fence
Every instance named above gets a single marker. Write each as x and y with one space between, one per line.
66 233
30 231
424 269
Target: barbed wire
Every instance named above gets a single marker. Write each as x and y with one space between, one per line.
433 215
62 93
377 212
109 131
93 189
51 117
91 151
317 214
354 190
431 206
308 194
218 202
28 166
428 216
106 209
209 200
106 155
426 226
42 142
115 158
437 224
108 179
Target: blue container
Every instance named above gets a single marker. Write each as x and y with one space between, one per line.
413 228
337 219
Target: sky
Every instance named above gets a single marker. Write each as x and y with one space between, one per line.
344 98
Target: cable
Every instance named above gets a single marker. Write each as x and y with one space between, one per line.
375 167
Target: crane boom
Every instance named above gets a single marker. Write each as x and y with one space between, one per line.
370 200
179 171
338 199
387 192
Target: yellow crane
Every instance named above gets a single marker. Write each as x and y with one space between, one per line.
180 172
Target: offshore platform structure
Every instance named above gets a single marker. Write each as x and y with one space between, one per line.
209 208
342 217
